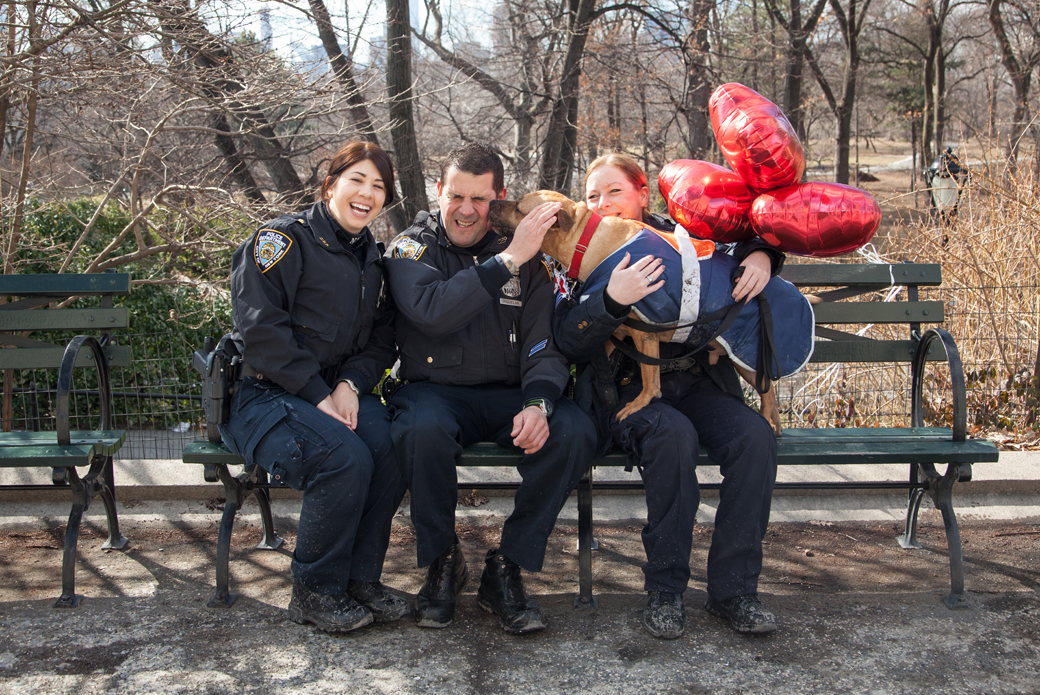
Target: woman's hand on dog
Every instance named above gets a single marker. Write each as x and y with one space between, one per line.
758 268
630 283
527 239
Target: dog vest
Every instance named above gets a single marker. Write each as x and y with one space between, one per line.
698 282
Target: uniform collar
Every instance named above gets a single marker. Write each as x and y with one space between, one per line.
328 233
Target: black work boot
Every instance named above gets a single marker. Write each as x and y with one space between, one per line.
338 613
502 592
445 579
745 614
385 607
665 615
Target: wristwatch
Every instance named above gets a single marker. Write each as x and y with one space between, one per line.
543 403
352 385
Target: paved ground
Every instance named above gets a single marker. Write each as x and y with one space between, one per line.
858 615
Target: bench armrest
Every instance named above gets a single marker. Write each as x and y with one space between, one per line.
957 384
68 362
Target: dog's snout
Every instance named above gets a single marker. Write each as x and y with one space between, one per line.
498 214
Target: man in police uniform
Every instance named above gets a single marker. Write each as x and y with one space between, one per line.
474 329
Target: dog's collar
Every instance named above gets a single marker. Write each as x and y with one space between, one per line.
583 246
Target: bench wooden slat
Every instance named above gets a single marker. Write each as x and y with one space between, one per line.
107 442
208 453
849 446
68 285
50 358
879 312
794 452
872 351
869 434
65 319
46 456
853 275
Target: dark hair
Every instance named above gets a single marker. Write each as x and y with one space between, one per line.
476 159
350 154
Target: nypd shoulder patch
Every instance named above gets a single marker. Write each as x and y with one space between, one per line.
269 248
408 248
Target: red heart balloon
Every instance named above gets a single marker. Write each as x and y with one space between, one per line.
756 138
710 201
816 219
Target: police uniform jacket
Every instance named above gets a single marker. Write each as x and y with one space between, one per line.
582 329
308 305
463 320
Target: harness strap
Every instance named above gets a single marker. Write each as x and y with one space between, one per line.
583 245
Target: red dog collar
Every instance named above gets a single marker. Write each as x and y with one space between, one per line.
583 245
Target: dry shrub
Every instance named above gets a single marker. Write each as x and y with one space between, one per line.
989 257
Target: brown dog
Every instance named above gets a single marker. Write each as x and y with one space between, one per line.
560 243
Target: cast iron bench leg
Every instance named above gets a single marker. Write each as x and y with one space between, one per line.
270 541
942 492
585 597
233 496
69 599
909 538
116 540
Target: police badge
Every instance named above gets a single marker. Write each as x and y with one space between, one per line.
269 248
511 289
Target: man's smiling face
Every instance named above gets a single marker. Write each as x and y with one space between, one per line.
464 200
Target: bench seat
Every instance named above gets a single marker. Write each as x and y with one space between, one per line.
41 449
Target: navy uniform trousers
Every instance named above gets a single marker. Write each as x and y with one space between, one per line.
351 482
664 437
433 423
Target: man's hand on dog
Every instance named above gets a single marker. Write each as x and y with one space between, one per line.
530 429
527 239
758 268
630 283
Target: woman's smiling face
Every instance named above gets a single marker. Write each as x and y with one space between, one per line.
357 196
609 193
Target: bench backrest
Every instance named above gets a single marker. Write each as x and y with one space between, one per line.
26 312
838 281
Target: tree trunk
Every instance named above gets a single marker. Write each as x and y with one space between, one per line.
698 124
793 74
560 147
342 68
399 94
1020 74
236 165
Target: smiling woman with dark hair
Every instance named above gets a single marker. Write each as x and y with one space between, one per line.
315 334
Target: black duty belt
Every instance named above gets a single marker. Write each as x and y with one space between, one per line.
684 364
248 370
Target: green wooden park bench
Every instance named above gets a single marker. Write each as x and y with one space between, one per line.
60 448
922 449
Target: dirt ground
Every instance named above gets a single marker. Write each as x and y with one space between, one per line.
857 614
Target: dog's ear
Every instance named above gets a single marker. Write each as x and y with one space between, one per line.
566 218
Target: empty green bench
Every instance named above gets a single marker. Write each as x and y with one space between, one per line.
58 447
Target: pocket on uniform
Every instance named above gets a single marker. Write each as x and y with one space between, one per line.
439 355
290 449
512 356
312 323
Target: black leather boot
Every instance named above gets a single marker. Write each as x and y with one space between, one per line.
445 579
665 615
502 593
338 613
385 607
